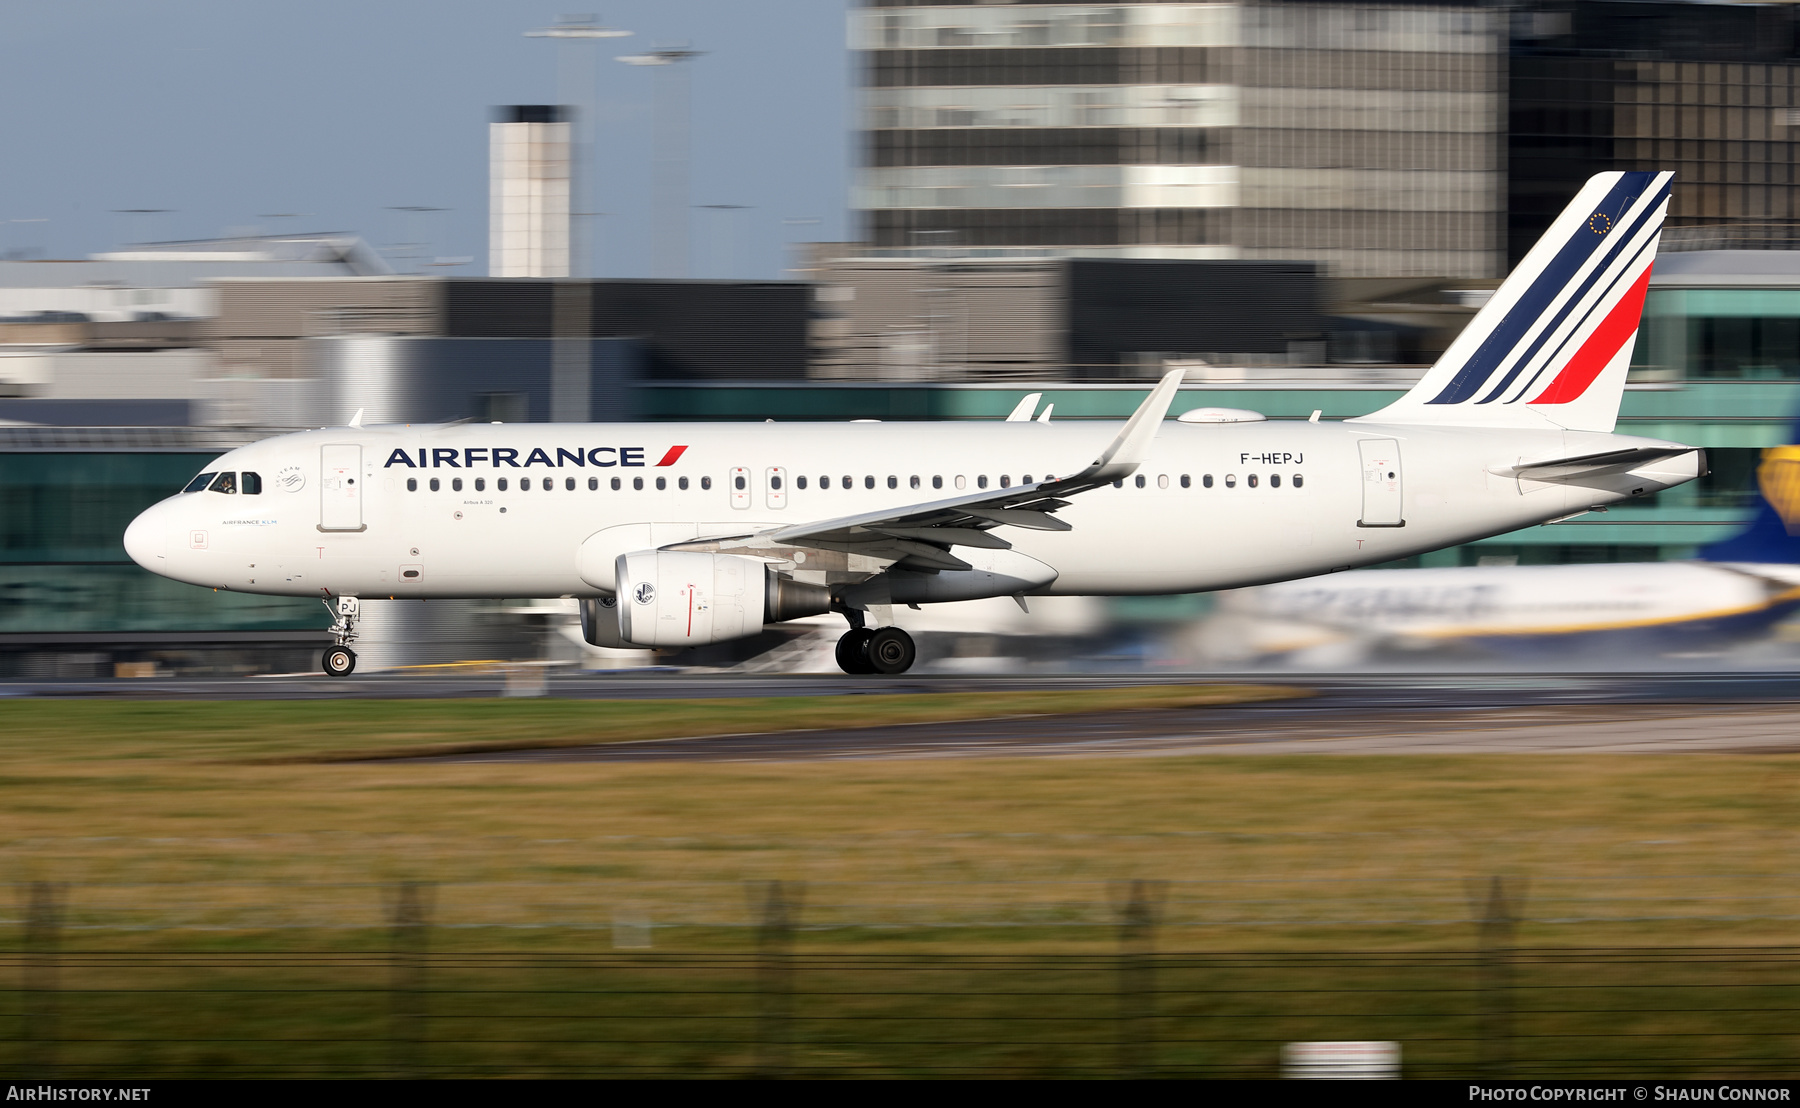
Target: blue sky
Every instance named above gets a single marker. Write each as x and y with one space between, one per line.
231 112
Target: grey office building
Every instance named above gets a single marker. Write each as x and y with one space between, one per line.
1368 137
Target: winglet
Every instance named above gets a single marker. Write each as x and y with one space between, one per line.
356 420
1045 418
1121 459
1022 411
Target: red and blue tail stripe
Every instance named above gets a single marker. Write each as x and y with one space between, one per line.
1553 345
1554 293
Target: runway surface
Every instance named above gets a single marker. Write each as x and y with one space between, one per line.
1346 714
1741 714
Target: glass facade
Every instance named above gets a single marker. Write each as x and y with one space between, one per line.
1711 91
63 567
1734 334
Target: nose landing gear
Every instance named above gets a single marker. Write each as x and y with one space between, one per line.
340 660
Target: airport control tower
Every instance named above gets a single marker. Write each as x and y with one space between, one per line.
529 179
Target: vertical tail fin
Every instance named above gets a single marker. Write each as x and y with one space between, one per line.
1773 535
1552 347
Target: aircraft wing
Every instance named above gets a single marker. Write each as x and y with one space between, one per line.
921 535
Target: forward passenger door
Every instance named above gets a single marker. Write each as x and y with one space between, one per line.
340 493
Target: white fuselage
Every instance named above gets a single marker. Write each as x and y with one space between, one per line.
336 515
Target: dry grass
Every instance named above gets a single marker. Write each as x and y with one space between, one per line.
174 814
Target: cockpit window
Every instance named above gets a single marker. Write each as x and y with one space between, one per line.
200 482
225 482
251 483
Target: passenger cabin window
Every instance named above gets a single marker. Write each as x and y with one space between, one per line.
1274 480
568 484
1231 480
799 483
524 484
1138 481
705 482
937 482
199 483
251 483
1299 480
481 484
869 481
593 484
1251 480
500 483
1005 481
1162 481
1207 480
893 481
637 483
455 484
615 484
435 485
412 484
681 483
662 483
981 481
913 481
224 482
1186 481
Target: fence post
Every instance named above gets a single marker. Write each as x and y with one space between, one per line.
409 917
1139 904
38 977
1499 920
778 909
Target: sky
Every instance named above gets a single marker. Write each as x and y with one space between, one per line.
234 114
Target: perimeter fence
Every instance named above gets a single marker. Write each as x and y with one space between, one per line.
406 1008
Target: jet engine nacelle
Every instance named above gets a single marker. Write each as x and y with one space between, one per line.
683 598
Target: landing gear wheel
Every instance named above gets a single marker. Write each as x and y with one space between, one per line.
340 661
891 650
853 651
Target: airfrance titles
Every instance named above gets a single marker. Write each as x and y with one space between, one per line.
468 457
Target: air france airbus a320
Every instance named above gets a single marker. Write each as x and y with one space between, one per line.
675 535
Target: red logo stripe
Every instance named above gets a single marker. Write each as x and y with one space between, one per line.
1600 348
673 456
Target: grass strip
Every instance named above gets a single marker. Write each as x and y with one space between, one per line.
378 730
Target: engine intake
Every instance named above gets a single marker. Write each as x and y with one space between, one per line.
685 598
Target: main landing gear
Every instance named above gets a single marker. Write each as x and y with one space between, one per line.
863 650
340 660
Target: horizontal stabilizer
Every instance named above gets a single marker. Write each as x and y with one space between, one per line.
1592 465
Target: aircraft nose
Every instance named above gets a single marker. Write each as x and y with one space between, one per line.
145 539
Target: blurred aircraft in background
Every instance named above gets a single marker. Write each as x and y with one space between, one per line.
1733 591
